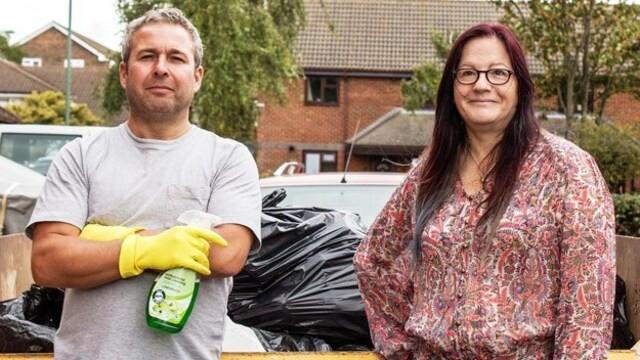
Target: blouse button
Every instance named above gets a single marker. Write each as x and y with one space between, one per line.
465 246
457 323
459 295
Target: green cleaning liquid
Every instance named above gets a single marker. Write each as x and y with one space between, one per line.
174 291
171 299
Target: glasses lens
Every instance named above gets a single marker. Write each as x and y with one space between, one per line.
498 76
467 76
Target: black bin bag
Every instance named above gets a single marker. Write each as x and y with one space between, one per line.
302 281
285 342
622 337
28 323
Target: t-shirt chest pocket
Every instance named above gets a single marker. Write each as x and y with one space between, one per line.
186 197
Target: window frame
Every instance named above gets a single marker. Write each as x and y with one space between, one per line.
31 62
322 162
323 87
76 63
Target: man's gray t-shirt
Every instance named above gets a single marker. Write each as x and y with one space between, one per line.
114 178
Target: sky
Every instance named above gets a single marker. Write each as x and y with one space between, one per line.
96 19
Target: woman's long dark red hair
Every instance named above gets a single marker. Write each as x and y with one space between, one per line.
450 140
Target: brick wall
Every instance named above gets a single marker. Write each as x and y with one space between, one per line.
284 132
51 46
623 109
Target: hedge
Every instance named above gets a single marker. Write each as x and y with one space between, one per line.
627 208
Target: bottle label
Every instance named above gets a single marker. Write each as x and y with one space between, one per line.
171 295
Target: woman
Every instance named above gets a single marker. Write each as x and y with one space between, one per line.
500 244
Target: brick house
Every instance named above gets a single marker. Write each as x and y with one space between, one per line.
354 55
45 60
47 47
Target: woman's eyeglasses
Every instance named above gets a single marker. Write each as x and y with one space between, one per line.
493 76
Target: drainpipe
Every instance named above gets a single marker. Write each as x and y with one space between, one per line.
67 85
345 116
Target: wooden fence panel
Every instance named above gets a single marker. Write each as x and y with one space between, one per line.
628 267
15 265
613 355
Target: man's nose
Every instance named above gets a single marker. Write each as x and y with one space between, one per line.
160 69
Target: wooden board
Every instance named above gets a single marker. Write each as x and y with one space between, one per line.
613 355
15 265
628 267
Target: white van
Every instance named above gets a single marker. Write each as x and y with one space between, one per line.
35 146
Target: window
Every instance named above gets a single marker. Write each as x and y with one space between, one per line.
32 62
319 161
33 150
321 90
75 63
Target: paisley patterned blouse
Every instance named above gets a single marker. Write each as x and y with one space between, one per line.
542 289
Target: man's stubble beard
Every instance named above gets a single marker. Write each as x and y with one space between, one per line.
149 108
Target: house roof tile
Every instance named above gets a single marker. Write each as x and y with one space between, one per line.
100 51
383 35
15 79
7 117
96 45
85 83
398 127
412 131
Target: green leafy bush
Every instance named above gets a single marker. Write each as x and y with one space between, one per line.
627 214
48 107
614 149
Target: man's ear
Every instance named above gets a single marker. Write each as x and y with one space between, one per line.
198 74
123 74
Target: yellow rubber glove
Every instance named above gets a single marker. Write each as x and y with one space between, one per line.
178 247
97 232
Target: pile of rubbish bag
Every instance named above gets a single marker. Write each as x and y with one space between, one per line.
301 283
28 322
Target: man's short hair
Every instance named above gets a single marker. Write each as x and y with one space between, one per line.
169 16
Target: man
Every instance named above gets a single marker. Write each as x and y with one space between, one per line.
144 174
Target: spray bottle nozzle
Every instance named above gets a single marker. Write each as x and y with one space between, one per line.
199 219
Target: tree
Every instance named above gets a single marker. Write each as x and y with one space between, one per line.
48 108
615 151
248 51
422 88
11 53
590 50
110 90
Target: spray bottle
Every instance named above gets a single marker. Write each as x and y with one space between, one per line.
174 291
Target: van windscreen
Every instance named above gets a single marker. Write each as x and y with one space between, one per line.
33 150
